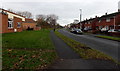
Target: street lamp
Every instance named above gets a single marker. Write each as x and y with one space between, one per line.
80 17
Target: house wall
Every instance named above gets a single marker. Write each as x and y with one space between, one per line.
12 15
103 22
0 23
4 24
29 20
16 20
86 25
117 22
30 25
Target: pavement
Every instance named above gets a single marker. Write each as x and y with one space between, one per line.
68 59
106 46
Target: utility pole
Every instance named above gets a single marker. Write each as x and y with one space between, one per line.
80 18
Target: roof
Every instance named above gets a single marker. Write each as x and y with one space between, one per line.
110 15
11 12
27 20
102 17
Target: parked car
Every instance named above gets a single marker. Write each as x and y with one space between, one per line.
104 30
77 31
114 30
72 30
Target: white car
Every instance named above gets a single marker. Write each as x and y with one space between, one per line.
114 30
104 30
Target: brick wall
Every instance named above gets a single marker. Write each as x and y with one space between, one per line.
4 24
16 20
29 20
0 23
30 25
118 22
104 23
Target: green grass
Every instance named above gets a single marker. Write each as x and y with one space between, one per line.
109 37
84 51
28 50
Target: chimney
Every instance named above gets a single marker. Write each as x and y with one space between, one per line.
105 13
95 16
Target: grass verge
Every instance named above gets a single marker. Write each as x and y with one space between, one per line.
27 50
84 51
109 37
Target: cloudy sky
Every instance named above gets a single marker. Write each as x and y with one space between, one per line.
67 10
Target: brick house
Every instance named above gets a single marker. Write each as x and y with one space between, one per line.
107 21
30 24
89 24
10 22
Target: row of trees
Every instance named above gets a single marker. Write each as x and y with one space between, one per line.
45 21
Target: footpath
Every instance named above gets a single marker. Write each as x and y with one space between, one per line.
68 59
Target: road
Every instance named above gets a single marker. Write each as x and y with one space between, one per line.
69 59
106 46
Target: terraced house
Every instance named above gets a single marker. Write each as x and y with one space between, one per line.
107 21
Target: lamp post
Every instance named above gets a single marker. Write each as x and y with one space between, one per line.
80 18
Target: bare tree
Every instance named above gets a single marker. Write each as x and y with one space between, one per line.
25 13
41 17
11 10
51 18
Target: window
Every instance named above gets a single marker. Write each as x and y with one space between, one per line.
100 27
10 24
99 21
89 22
18 24
108 20
107 27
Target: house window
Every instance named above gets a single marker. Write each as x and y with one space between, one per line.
99 21
107 27
10 24
108 20
100 27
89 22
18 24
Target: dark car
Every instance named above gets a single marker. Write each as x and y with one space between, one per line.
77 31
72 30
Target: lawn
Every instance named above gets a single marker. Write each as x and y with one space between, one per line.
27 50
109 37
84 51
